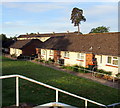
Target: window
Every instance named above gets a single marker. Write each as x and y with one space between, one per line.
100 58
115 61
112 60
80 56
109 60
66 54
43 52
51 52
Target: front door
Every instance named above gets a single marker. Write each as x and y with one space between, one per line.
56 55
89 58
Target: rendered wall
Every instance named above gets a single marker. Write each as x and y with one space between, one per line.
72 60
17 52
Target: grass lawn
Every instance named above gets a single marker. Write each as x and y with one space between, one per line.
36 94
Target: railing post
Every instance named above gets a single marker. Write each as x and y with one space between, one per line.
56 95
85 103
17 91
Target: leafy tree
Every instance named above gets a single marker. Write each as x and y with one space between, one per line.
101 29
32 33
77 17
13 38
3 38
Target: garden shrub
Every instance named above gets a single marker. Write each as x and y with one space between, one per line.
51 60
75 68
104 72
42 61
13 55
37 60
69 67
98 75
118 75
100 70
63 67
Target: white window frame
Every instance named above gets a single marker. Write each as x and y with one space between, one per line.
66 54
43 51
51 52
80 56
101 57
112 59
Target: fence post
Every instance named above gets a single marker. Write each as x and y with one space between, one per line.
113 79
56 95
17 91
85 103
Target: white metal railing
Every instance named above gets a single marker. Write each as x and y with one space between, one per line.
94 72
51 87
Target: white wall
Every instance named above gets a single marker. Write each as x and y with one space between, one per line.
47 54
73 60
104 66
17 52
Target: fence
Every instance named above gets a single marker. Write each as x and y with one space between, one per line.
51 87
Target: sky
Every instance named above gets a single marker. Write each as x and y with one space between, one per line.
46 17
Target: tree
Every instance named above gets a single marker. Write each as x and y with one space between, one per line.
77 17
3 38
101 29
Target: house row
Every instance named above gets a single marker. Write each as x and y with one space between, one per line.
26 44
101 49
25 47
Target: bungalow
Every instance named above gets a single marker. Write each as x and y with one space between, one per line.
84 50
6 45
24 47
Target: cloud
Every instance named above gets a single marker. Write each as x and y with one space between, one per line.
34 7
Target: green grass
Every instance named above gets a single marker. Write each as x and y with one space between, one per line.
36 94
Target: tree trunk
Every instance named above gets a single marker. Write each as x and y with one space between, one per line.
78 28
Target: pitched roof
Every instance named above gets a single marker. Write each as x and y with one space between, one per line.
19 44
8 43
98 43
47 35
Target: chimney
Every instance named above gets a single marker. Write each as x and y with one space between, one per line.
27 34
53 32
38 33
68 31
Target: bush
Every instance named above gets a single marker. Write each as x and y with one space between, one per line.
37 60
100 70
75 68
104 72
13 55
118 75
69 67
108 73
63 67
98 75
51 60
